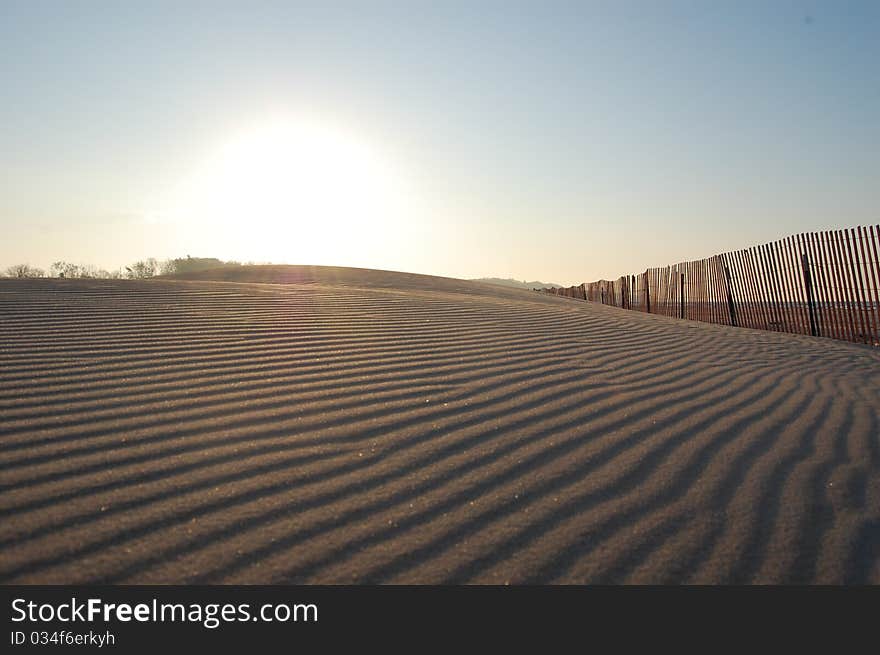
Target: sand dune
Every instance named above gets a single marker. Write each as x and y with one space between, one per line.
375 427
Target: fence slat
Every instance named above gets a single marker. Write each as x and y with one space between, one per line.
725 293
739 295
712 290
843 267
711 294
819 287
773 276
858 286
761 322
840 283
808 286
785 288
760 288
778 273
816 318
703 289
745 289
794 282
833 295
875 275
794 287
871 316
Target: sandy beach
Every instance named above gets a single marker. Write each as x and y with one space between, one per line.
352 426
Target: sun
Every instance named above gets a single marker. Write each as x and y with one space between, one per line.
295 190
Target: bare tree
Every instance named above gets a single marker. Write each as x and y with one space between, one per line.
24 270
68 270
65 269
143 269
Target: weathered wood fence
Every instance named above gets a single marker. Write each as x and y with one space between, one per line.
821 283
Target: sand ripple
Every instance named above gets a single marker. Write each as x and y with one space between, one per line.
353 426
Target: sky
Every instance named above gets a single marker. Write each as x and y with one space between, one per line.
554 141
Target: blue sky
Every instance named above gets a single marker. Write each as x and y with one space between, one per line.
540 140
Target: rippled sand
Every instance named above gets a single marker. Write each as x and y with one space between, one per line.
375 427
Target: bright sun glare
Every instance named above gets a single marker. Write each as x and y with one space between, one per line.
295 191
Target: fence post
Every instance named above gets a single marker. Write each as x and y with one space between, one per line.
647 294
730 306
681 296
808 284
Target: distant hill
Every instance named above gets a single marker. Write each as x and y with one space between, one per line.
510 282
335 275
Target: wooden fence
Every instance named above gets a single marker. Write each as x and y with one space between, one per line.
821 283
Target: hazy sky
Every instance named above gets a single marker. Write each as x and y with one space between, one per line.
541 140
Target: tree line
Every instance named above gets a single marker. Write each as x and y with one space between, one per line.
140 270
